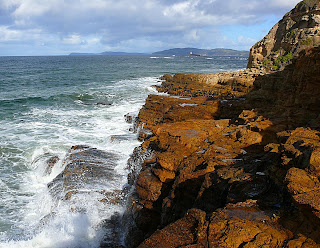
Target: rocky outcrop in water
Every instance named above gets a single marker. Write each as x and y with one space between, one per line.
233 161
86 184
299 29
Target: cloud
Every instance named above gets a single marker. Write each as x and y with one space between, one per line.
73 40
9 35
116 23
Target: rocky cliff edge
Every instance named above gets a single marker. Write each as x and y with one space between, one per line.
299 29
230 160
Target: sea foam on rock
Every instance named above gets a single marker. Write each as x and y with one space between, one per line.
85 187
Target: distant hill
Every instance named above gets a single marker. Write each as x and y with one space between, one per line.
177 52
107 54
202 52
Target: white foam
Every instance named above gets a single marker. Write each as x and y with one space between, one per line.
51 131
188 104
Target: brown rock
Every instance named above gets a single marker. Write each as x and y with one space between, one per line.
297 30
305 189
263 147
185 231
315 161
243 225
302 242
148 185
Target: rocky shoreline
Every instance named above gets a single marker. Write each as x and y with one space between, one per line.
229 160
233 159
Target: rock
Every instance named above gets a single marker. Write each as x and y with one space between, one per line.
185 231
162 109
243 225
214 86
315 161
297 30
83 166
237 225
305 189
130 117
51 163
148 186
302 242
103 104
242 148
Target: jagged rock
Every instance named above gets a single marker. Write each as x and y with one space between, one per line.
237 225
241 148
159 109
130 117
244 225
315 161
83 166
246 151
215 86
289 98
305 189
181 233
51 163
299 29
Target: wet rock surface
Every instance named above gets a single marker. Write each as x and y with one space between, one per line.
83 166
231 170
89 172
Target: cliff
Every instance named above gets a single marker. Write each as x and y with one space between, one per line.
299 29
229 160
233 159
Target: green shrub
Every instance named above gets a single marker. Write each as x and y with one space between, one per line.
266 62
292 34
306 42
285 59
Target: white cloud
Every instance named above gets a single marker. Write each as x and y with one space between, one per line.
9 35
73 39
245 40
82 23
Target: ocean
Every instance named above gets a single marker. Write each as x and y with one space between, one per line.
49 104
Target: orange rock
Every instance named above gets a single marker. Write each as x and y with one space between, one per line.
315 161
148 186
185 231
212 147
305 189
302 242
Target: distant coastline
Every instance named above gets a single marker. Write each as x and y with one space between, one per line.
175 52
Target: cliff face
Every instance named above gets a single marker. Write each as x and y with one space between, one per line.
299 29
232 160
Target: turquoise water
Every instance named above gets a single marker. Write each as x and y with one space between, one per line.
48 104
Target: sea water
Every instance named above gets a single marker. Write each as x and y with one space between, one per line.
47 105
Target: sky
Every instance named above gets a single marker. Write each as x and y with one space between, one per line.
59 27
